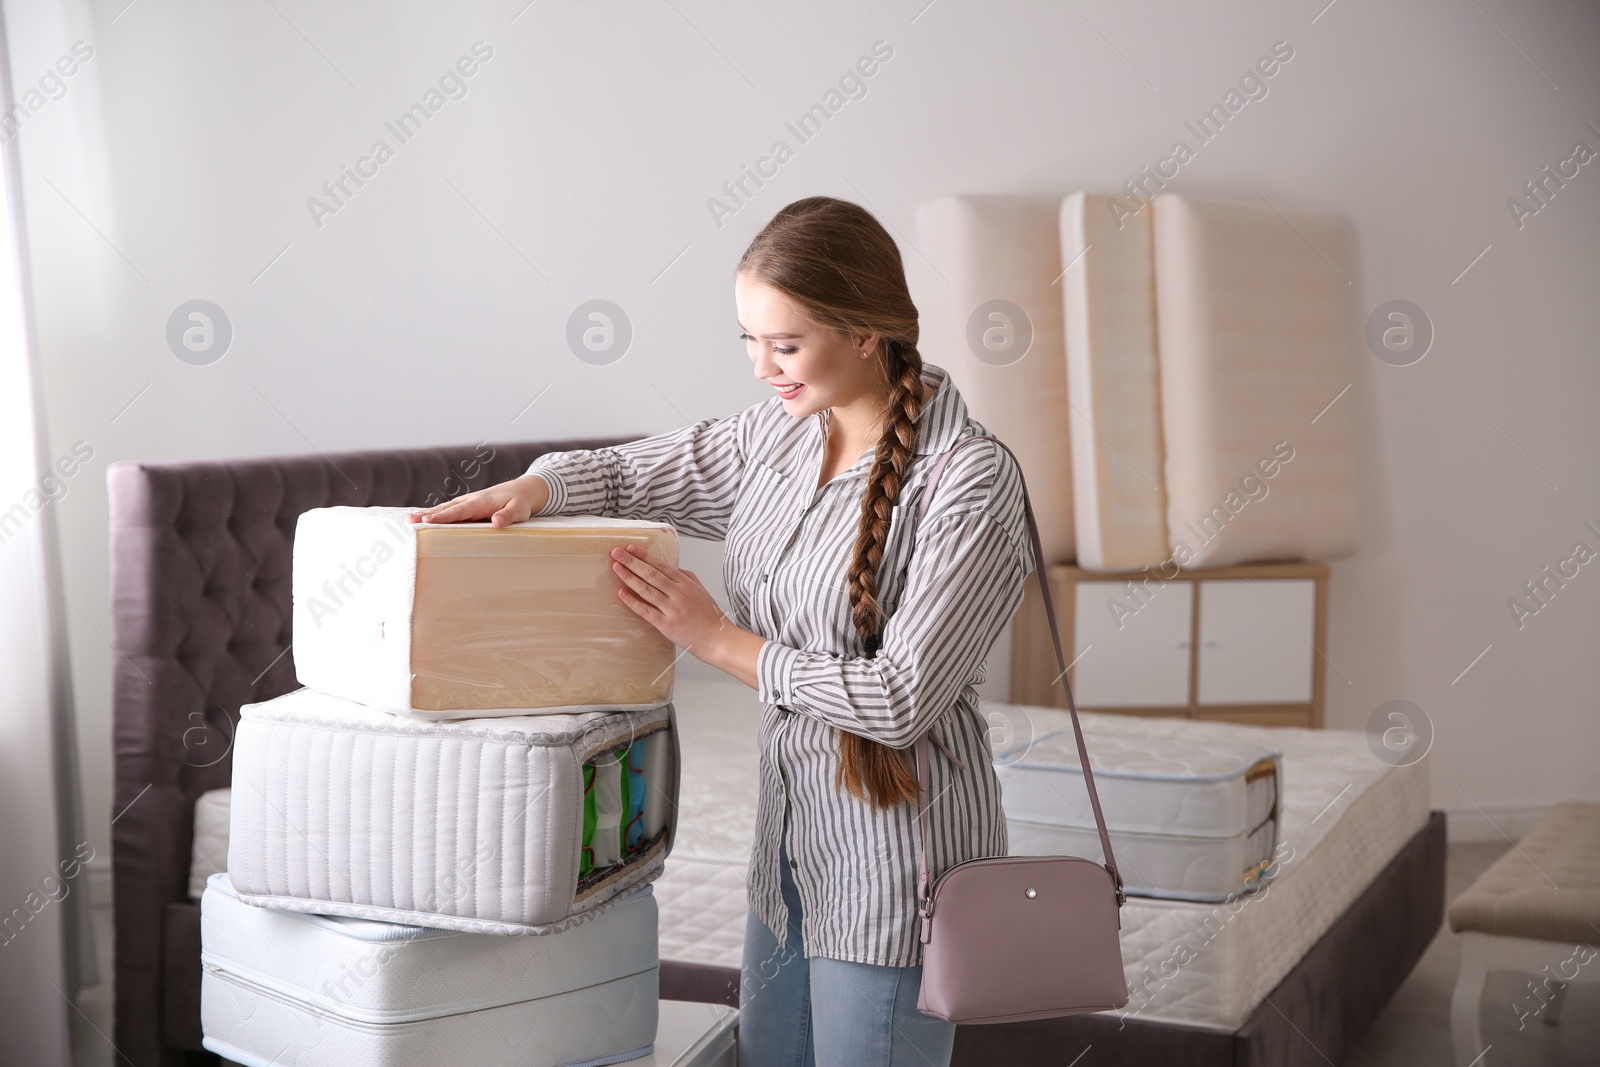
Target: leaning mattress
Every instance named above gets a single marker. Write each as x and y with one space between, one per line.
1257 325
503 825
1189 818
1343 815
282 987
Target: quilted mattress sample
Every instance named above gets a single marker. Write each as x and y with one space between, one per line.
1189 818
464 620
281 987
509 825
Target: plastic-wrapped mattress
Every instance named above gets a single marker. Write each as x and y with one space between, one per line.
281 987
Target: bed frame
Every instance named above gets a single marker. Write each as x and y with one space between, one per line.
200 568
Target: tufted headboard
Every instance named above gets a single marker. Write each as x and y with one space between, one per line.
200 568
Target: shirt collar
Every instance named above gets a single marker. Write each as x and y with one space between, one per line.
943 417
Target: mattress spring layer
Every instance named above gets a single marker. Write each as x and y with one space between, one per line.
389 1024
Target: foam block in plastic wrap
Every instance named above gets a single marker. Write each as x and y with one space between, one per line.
465 619
1257 325
1119 502
995 325
479 825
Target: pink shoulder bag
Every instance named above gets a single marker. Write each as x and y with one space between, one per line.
1019 937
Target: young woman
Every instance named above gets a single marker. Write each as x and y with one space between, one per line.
859 632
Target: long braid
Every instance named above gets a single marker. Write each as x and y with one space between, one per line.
868 769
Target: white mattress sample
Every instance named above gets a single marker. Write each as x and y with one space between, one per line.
210 851
1114 380
1006 248
1191 818
1257 333
462 620
280 987
474 825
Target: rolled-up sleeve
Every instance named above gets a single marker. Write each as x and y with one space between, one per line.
964 583
689 477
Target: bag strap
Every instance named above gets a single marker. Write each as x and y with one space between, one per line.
922 742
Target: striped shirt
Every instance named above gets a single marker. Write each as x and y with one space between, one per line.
750 479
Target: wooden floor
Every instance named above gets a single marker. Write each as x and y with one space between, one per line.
1414 1031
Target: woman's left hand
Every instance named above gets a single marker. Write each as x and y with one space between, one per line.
670 599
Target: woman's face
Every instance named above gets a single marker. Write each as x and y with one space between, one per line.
819 368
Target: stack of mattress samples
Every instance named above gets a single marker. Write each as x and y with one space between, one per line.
459 819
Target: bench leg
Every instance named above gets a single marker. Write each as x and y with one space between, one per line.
1466 1031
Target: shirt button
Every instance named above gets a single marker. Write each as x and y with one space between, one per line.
794 864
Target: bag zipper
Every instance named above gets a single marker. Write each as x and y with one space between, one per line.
927 906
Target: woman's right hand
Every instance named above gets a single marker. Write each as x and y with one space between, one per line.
501 504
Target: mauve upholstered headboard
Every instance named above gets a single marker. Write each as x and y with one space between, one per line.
200 567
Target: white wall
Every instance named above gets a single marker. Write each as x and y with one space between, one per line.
433 306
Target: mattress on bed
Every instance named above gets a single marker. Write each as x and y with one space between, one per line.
479 825
285 987
1343 816
1190 818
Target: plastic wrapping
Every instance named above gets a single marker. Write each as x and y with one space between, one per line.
466 619
280 987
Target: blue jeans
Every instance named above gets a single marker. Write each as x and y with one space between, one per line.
795 1012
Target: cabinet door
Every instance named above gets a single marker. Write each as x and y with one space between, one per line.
1132 653
1255 640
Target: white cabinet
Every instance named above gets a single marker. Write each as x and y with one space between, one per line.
1129 652
1255 640
1234 643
